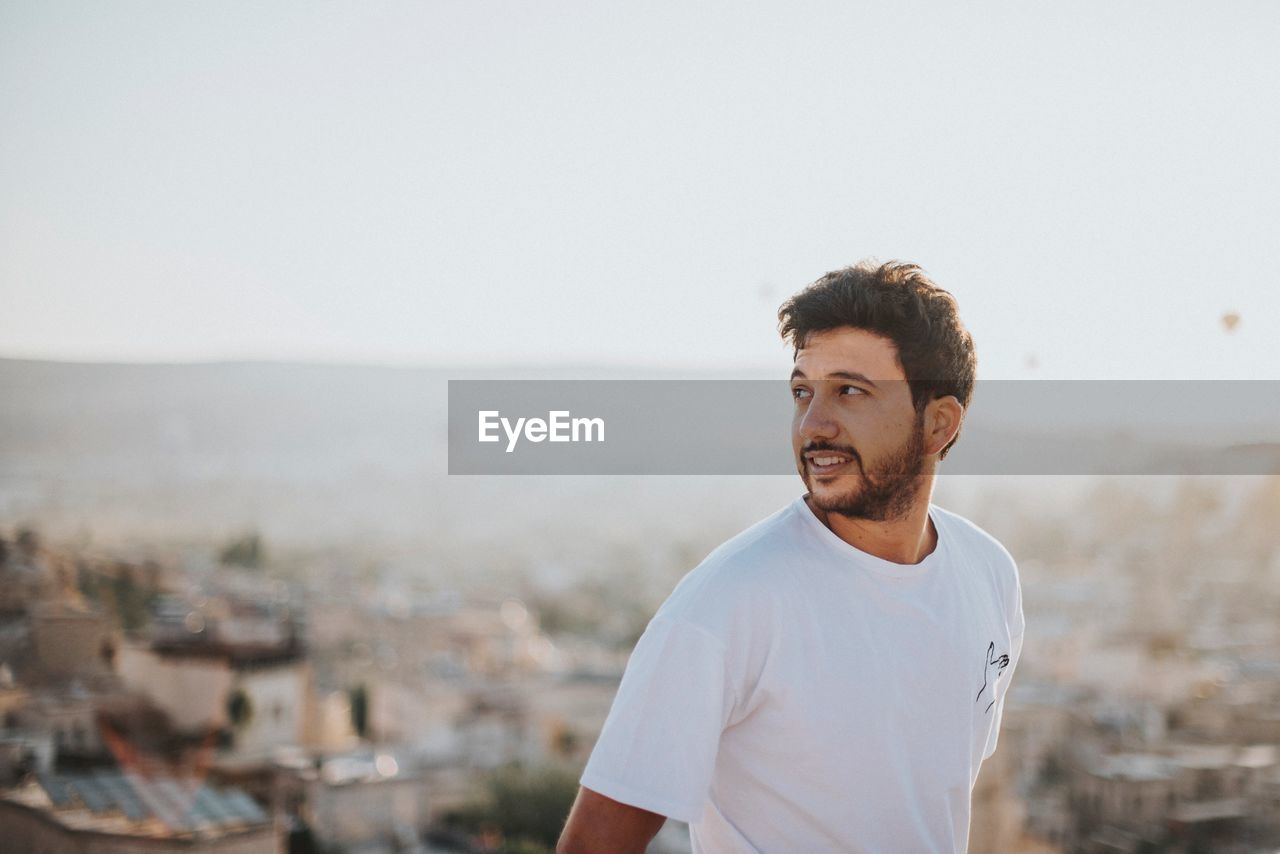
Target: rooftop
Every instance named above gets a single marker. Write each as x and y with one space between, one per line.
1136 766
126 803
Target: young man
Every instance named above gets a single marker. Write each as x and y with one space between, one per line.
831 678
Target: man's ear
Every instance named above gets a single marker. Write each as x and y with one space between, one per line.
942 418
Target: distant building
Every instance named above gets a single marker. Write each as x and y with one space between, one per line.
243 673
1189 792
357 799
109 812
22 753
27 575
70 641
69 719
1134 792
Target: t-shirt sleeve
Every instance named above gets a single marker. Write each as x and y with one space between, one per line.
1017 628
1015 651
658 747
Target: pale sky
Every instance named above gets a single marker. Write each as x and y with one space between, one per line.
476 182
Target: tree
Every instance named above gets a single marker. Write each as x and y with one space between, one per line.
565 741
247 551
359 696
527 807
132 600
302 840
28 542
239 708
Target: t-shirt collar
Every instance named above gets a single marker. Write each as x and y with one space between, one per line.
868 560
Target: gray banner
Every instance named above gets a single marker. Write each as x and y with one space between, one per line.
702 427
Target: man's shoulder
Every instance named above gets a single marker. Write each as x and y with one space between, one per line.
973 539
745 566
981 547
771 537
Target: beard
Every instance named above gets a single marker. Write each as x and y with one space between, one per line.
886 490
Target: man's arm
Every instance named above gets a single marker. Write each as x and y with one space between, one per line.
657 749
600 825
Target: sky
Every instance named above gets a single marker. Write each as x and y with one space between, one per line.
486 183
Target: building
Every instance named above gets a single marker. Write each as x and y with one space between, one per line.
1186 792
356 799
110 812
240 671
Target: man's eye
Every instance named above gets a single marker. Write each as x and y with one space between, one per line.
851 389
800 393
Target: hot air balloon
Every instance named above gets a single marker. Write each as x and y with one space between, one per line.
1229 321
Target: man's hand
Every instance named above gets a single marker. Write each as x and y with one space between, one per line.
600 825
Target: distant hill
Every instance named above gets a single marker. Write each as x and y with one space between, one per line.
339 453
309 453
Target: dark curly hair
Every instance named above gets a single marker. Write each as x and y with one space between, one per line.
898 301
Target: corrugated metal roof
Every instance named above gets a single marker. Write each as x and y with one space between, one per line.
181 805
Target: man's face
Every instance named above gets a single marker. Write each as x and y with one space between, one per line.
858 440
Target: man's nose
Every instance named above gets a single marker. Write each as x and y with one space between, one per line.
817 421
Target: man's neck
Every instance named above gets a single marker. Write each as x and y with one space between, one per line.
906 539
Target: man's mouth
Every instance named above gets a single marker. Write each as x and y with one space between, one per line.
826 462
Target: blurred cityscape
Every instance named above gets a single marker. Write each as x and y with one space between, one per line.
240 690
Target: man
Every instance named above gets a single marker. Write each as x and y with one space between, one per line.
832 678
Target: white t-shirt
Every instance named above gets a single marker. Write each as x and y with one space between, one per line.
795 693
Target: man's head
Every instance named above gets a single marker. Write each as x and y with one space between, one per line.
883 372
